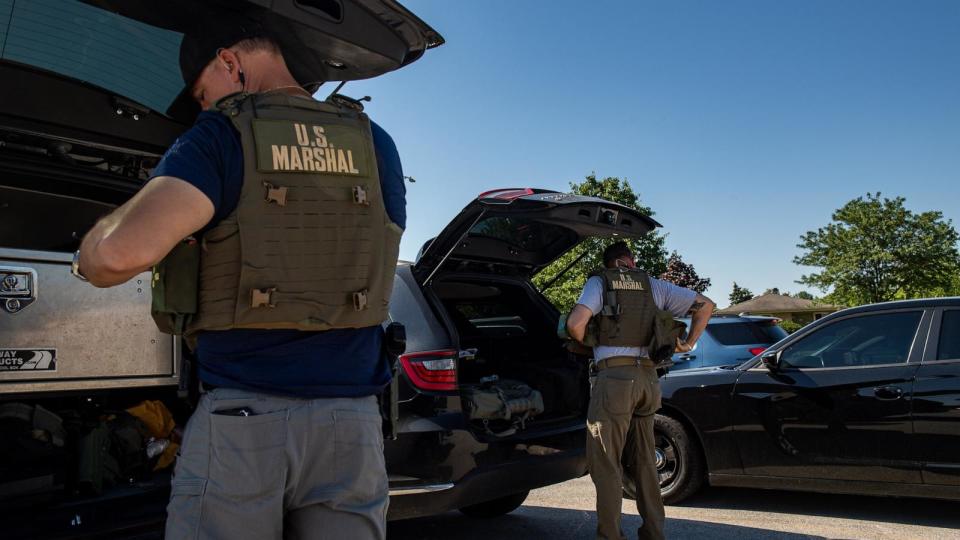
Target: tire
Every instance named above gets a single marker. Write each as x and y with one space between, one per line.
496 507
680 463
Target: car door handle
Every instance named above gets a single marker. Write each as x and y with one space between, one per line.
687 356
888 393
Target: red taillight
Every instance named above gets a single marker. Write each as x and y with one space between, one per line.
756 350
431 370
505 194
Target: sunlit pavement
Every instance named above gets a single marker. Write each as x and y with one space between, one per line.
565 511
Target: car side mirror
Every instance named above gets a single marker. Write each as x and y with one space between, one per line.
771 360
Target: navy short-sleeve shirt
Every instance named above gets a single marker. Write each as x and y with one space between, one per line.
334 363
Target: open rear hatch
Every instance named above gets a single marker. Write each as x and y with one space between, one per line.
478 270
107 71
520 231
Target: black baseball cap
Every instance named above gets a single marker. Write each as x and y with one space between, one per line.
199 47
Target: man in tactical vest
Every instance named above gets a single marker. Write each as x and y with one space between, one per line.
292 210
624 304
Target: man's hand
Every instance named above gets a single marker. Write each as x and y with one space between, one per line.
683 346
142 231
578 348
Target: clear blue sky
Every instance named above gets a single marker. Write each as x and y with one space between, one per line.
743 124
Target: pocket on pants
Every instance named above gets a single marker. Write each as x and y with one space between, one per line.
649 399
617 395
358 447
247 452
185 509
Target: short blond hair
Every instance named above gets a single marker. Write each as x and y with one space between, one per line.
257 44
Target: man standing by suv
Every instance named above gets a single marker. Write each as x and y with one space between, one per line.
624 302
297 207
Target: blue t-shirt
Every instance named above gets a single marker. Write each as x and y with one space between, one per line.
335 363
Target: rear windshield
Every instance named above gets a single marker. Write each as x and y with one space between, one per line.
746 333
127 57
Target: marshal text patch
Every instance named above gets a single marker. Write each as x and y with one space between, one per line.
288 146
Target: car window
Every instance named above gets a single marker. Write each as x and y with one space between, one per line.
948 347
857 341
89 44
518 232
746 333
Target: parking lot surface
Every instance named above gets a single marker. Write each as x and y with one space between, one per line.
565 511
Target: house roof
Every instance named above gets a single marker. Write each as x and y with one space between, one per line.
776 303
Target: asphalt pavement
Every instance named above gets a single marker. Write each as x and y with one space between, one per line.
565 512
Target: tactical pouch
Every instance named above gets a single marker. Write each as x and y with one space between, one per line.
174 284
666 331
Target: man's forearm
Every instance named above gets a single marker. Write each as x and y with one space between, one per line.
577 322
100 262
700 313
576 333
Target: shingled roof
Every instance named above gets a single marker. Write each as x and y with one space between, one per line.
777 303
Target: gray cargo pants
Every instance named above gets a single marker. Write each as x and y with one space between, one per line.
294 468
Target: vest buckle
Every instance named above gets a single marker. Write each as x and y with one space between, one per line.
360 300
360 196
275 194
262 297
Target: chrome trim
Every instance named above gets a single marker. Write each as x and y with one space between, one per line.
417 490
36 256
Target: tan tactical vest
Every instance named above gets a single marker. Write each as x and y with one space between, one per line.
629 310
310 245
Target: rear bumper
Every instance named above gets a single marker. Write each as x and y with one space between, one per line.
488 483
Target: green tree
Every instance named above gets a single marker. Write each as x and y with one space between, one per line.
683 274
804 295
876 250
649 250
740 294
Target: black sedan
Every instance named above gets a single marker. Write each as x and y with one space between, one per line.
864 401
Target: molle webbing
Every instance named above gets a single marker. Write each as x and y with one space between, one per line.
310 245
628 309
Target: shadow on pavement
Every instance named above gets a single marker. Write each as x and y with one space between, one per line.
562 524
907 511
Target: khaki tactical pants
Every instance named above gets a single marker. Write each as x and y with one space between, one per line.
618 394
294 468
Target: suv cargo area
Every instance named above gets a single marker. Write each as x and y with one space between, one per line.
507 330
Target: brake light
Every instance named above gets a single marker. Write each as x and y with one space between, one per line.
431 370
506 194
756 350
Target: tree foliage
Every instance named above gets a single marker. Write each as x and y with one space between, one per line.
683 274
649 250
876 250
740 294
804 295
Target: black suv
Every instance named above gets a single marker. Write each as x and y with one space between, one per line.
862 401
82 123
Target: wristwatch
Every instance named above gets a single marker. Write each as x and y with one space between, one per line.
75 266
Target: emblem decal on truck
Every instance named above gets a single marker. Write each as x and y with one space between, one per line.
28 360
